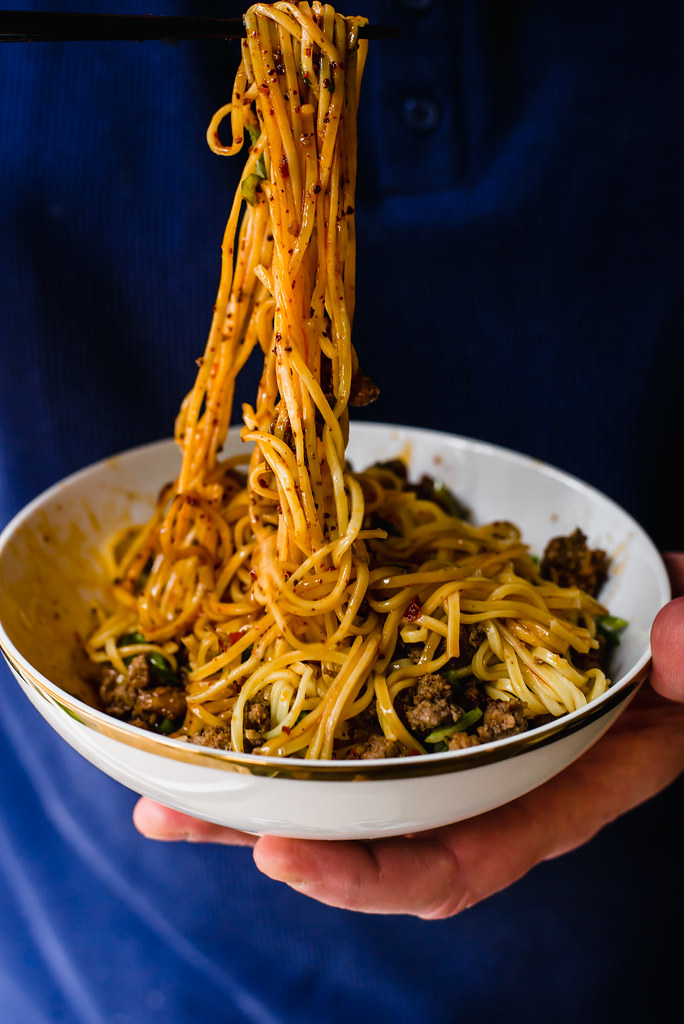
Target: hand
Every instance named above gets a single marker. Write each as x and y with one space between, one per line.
439 873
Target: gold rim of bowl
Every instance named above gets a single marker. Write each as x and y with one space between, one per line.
298 768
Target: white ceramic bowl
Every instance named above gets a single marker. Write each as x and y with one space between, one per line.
49 572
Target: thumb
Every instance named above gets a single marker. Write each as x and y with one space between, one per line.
667 637
667 645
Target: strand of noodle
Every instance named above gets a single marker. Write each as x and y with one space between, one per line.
206 717
392 726
354 603
236 650
113 655
454 624
362 701
534 686
408 674
347 683
600 683
296 705
331 723
259 679
111 626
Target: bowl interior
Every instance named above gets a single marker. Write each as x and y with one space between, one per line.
52 568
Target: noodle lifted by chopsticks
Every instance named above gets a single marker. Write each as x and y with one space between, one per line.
305 605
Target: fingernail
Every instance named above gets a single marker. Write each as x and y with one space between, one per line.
281 874
295 881
298 886
179 835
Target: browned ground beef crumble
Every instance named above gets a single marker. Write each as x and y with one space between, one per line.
138 699
570 562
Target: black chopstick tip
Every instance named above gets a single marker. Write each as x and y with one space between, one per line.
380 32
65 26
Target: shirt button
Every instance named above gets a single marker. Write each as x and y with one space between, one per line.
417 5
421 113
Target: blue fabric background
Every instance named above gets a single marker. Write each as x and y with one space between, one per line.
520 280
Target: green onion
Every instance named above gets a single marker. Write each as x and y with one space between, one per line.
445 498
464 722
155 660
166 726
609 626
612 622
162 667
131 638
260 166
251 182
454 676
249 186
160 663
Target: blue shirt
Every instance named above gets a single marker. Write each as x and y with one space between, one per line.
519 280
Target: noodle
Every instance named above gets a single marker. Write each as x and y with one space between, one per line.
290 601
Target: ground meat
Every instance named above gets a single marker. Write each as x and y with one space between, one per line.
153 706
213 736
472 696
116 693
569 562
376 746
502 718
429 489
595 658
470 637
396 466
461 741
257 714
134 700
139 672
363 726
430 704
363 390
257 720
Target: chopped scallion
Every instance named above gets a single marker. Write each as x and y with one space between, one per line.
610 626
131 638
162 667
249 186
465 721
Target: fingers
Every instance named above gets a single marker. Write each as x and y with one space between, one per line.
667 636
440 873
667 645
392 876
432 875
155 821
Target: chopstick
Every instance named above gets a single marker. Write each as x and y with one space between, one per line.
64 26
